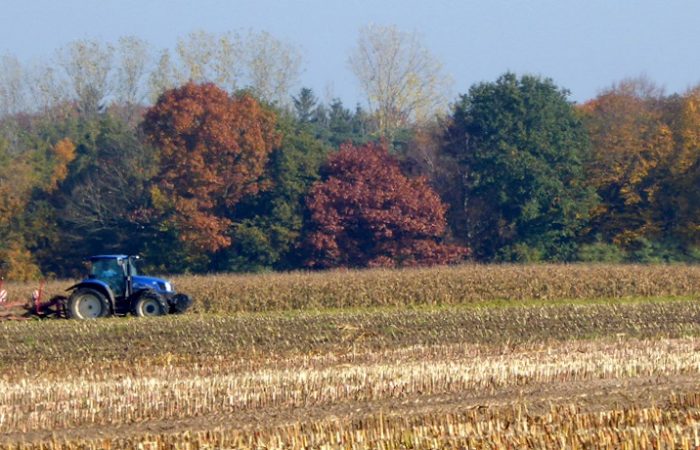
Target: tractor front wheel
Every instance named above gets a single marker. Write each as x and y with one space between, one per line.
150 304
87 303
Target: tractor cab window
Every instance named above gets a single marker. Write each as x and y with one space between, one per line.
106 268
110 271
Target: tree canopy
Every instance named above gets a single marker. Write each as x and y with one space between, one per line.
366 213
213 152
521 149
227 172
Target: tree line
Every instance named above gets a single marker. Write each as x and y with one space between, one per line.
208 164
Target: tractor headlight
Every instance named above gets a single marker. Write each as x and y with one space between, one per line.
168 286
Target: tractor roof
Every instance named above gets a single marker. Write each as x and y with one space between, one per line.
92 258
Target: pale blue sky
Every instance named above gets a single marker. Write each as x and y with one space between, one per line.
583 45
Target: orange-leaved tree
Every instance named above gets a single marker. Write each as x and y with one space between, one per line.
366 213
632 143
213 150
678 200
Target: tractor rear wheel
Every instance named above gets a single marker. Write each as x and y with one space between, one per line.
86 303
150 304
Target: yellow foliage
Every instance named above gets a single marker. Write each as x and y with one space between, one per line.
689 149
17 263
633 146
161 202
18 178
64 153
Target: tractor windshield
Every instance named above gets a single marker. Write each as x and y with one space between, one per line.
106 268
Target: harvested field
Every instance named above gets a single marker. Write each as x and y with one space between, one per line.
553 375
194 338
177 392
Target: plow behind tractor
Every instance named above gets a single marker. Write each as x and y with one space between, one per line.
15 309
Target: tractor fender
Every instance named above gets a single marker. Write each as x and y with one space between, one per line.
98 286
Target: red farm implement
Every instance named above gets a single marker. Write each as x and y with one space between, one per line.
36 306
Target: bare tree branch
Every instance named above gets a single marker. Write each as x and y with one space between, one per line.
87 65
402 80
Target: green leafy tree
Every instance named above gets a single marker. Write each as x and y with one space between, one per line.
94 209
520 147
266 227
26 178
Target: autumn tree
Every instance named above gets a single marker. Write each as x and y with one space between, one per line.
677 203
36 171
632 143
272 66
48 92
209 57
13 86
16 183
93 209
257 61
366 213
213 151
520 148
162 77
686 169
401 78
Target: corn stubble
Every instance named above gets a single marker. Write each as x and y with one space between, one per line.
600 375
170 393
564 427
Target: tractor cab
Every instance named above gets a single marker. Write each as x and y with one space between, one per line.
113 270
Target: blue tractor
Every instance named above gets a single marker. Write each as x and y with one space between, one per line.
114 287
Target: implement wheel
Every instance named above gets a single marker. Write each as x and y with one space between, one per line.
86 303
150 304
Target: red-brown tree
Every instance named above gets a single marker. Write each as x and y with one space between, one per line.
366 213
213 150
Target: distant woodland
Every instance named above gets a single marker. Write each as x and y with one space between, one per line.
212 157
